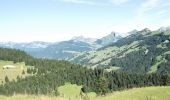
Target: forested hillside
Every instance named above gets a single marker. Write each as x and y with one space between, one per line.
47 75
141 52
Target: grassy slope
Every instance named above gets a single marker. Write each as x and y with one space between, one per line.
11 73
160 59
28 97
70 91
104 56
146 93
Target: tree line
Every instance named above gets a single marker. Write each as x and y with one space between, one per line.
47 75
143 61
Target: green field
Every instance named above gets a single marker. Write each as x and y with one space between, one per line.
71 92
13 72
147 93
33 97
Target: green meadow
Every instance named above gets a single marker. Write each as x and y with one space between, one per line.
12 73
72 92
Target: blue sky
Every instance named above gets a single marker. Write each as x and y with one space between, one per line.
57 20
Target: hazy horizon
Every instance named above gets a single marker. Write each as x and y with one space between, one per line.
59 20
77 36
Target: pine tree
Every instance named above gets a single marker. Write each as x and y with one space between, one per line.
6 79
102 86
84 89
23 72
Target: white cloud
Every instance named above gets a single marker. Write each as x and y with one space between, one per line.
147 6
142 20
166 4
118 2
97 2
161 14
150 14
80 2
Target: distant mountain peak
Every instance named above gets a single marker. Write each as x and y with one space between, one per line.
163 29
78 37
132 32
145 31
110 38
83 39
28 45
113 33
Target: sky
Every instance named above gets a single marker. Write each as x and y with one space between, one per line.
58 20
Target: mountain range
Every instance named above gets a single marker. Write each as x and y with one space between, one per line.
138 60
148 50
64 49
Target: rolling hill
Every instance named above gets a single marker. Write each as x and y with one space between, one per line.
148 50
47 76
138 60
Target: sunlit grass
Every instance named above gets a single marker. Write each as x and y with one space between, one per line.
31 97
12 73
147 93
159 59
71 90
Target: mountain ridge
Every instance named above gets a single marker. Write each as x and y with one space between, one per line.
144 45
60 50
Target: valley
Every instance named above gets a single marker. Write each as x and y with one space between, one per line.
124 68
84 50
63 50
